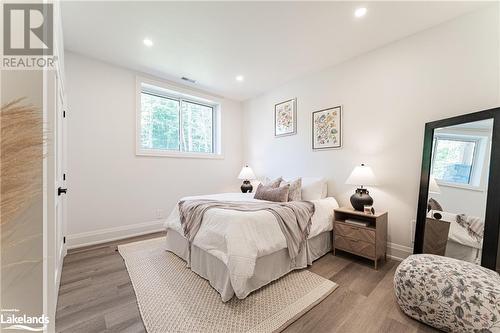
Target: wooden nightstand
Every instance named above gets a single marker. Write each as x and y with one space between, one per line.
365 241
436 236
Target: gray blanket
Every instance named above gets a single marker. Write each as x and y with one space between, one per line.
294 218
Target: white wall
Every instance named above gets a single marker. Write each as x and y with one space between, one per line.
388 95
112 192
462 201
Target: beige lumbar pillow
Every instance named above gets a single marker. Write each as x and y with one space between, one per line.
268 193
295 192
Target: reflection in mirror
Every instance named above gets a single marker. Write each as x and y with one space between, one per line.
458 190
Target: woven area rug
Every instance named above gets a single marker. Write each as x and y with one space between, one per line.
172 298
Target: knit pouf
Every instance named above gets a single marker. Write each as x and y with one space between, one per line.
449 294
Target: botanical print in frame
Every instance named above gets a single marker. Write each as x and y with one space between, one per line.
327 128
285 118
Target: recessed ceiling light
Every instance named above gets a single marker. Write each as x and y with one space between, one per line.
148 42
240 78
360 12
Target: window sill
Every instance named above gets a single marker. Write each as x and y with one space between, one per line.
174 154
462 187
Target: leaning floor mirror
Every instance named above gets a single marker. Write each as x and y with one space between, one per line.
459 201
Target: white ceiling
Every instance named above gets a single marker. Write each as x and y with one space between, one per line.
269 43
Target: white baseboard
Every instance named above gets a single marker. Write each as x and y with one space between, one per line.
111 234
398 252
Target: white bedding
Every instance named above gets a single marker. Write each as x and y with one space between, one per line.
239 238
458 233
460 244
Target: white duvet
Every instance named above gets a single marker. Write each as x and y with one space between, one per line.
458 233
239 238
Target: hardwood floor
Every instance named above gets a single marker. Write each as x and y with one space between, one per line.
96 295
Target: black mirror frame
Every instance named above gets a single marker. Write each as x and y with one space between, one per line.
490 252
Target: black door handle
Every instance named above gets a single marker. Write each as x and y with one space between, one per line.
61 190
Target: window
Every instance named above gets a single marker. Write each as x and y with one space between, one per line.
461 160
160 120
453 160
197 127
172 123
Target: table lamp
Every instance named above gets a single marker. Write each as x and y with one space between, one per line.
433 186
362 175
246 174
433 189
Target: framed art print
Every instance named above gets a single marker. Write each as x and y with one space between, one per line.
285 118
327 128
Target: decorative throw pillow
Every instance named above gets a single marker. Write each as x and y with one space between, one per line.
274 183
279 194
295 192
434 205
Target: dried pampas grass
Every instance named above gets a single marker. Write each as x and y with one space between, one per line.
21 148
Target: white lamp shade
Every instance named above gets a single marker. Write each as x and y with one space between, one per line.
433 186
361 175
246 173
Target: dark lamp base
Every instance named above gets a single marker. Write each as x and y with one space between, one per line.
246 187
360 199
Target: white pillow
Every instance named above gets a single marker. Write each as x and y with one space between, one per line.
314 188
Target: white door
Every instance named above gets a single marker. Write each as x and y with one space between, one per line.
54 175
60 202
55 181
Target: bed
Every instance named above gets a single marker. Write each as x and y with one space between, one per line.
239 252
461 245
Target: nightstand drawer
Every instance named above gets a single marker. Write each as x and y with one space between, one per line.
354 232
355 246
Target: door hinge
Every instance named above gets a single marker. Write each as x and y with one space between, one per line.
64 114
64 240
